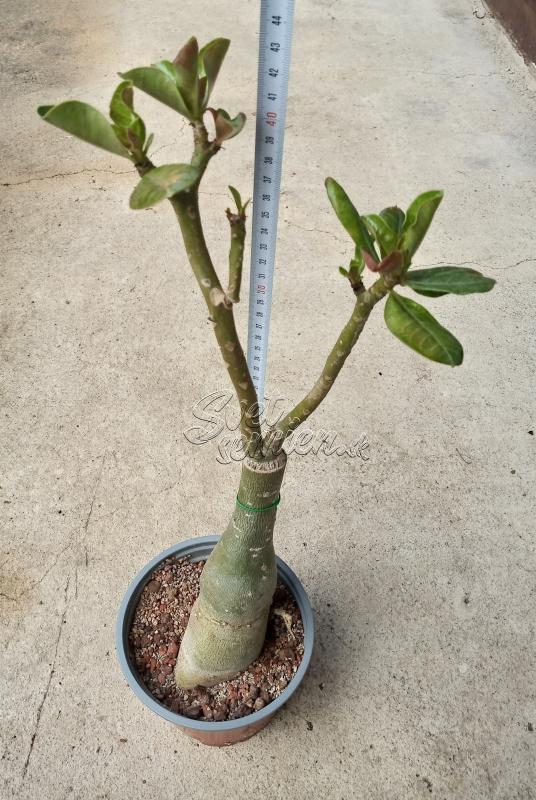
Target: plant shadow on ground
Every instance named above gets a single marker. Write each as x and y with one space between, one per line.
347 622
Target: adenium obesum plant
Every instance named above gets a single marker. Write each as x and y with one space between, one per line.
227 625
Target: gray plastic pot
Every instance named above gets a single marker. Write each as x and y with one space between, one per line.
211 733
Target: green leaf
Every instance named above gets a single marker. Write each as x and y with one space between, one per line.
168 69
236 198
418 219
416 327
159 85
350 220
163 182
129 126
344 272
437 281
210 60
395 218
122 105
186 84
86 123
226 127
382 232
427 293
148 143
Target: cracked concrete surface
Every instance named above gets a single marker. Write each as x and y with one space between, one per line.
420 563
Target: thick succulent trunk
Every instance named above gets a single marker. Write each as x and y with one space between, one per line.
227 624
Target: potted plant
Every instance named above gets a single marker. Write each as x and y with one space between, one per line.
227 624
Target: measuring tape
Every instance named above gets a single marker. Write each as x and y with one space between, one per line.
274 60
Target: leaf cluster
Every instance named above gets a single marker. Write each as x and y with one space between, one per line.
386 242
185 85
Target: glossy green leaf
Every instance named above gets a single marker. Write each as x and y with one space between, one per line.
157 83
418 329
381 231
350 220
395 218
226 127
437 281
210 60
86 123
418 219
163 182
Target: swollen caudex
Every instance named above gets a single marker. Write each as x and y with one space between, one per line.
228 622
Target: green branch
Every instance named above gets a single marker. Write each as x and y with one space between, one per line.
186 207
237 223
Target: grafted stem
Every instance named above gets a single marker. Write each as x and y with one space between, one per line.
227 623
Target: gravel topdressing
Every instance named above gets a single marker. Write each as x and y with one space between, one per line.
159 623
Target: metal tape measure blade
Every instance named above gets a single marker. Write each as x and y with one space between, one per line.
274 60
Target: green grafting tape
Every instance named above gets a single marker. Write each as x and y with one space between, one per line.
258 510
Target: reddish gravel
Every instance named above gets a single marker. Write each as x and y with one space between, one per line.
159 624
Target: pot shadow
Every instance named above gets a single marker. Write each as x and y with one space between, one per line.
348 613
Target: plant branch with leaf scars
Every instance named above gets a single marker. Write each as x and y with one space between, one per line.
219 303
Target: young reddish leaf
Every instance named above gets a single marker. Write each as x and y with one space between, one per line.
187 56
370 262
226 127
210 60
391 263
186 65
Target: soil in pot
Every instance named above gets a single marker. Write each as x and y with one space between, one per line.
158 626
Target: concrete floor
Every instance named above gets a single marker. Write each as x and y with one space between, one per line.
420 564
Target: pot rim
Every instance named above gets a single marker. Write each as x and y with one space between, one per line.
198 548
